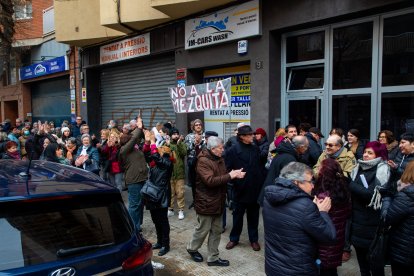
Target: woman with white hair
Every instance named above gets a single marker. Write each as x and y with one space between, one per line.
87 156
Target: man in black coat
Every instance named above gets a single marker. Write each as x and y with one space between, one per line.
311 156
245 154
295 223
286 152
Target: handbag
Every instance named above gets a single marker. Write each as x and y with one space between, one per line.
378 250
152 192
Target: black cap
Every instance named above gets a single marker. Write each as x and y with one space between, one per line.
316 131
245 130
210 133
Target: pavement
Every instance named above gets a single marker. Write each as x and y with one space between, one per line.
243 260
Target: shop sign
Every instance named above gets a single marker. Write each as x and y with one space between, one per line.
201 97
229 24
125 49
47 67
84 95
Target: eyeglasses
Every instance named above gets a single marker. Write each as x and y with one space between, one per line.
312 181
330 145
384 137
197 125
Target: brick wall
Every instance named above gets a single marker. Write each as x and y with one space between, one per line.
33 27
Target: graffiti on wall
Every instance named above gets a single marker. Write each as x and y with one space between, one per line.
150 115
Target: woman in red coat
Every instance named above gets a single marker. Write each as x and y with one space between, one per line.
331 182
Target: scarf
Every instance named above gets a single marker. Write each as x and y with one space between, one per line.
336 154
382 175
14 155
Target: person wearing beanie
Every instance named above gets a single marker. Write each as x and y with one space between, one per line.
178 153
260 138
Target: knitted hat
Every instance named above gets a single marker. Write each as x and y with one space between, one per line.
260 131
174 131
63 129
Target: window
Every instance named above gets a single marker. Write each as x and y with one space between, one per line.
23 11
305 78
352 111
398 50
305 47
397 112
352 56
305 111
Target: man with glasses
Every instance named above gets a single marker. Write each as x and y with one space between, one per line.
295 223
245 155
334 148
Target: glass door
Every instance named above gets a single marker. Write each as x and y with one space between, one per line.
305 110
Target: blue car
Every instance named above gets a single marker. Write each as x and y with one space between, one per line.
59 220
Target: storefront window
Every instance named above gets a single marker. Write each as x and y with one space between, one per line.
352 56
398 51
352 111
397 112
305 47
303 78
305 111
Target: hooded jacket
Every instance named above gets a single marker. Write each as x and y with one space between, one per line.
400 216
286 153
293 229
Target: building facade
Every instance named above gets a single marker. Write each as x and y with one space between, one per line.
345 64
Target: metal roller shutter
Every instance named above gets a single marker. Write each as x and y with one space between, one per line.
141 86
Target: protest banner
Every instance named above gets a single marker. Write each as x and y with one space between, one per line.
201 97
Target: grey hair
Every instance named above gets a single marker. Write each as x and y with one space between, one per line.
299 141
295 171
86 136
338 139
133 122
83 126
214 142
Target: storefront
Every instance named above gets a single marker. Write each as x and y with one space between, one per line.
50 89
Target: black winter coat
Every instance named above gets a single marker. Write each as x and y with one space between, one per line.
400 216
293 229
364 219
311 156
285 154
244 156
160 175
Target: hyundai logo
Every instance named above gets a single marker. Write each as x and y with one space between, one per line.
64 271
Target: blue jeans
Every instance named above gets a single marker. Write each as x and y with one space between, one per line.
116 180
136 208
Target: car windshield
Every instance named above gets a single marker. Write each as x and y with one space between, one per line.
43 230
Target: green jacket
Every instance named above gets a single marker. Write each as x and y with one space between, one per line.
179 151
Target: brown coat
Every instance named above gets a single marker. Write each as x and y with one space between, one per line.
211 184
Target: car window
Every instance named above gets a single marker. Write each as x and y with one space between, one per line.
35 231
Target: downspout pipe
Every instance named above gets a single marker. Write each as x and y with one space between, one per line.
118 11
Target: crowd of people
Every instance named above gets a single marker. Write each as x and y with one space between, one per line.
316 201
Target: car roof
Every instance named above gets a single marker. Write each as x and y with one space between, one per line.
46 179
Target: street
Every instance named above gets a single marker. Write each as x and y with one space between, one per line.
243 260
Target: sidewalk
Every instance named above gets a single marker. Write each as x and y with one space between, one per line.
243 260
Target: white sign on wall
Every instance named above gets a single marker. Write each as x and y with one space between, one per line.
229 24
125 49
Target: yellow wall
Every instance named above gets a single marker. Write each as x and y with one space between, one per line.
78 23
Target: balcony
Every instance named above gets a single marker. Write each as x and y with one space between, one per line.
85 22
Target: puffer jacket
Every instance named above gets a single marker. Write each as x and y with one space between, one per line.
293 229
285 154
211 184
400 216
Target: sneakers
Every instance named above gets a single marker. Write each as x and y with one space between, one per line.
170 212
180 214
346 256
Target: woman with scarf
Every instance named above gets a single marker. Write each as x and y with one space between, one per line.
54 153
11 151
87 156
368 178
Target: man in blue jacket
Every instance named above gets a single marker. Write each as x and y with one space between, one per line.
295 223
